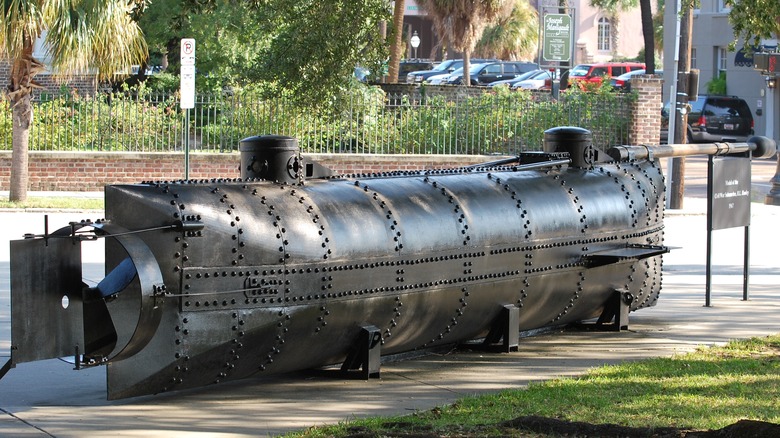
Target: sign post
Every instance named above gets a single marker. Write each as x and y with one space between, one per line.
728 206
556 38
557 35
187 92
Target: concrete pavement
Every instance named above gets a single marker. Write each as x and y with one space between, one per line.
50 399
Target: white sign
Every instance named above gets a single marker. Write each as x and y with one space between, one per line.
187 73
187 51
187 86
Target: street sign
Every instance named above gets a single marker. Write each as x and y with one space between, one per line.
187 86
187 51
187 73
556 37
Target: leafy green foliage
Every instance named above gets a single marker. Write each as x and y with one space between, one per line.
314 46
753 20
358 119
305 50
717 85
103 123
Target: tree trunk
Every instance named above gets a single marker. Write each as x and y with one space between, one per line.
646 10
22 118
398 40
23 69
466 67
615 22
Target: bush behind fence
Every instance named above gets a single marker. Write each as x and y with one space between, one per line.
497 122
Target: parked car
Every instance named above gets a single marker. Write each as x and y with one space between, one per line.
407 66
445 67
623 82
489 72
714 119
516 79
442 78
539 80
597 72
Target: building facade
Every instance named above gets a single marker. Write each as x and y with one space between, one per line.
598 35
711 36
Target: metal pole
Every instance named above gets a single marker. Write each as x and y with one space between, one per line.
746 266
681 113
187 144
708 274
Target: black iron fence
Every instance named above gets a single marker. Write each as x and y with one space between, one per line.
497 122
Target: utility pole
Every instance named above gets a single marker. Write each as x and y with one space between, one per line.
681 105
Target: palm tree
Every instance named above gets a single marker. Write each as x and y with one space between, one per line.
515 36
396 48
98 36
460 22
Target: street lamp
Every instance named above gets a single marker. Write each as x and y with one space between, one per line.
415 41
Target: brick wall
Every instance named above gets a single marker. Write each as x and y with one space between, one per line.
84 171
646 126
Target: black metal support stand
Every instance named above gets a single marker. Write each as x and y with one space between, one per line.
7 367
615 314
365 355
728 206
504 336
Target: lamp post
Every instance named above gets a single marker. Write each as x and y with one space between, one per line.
415 42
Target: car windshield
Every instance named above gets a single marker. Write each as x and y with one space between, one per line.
528 74
579 71
444 65
457 71
475 68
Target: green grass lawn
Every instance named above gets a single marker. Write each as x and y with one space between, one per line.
707 389
54 203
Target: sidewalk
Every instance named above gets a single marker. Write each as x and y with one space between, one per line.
50 399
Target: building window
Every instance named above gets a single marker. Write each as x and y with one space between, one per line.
722 59
605 32
723 7
693 57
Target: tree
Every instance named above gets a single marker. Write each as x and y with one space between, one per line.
648 34
306 49
81 36
461 22
514 36
397 44
225 31
314 46
753 20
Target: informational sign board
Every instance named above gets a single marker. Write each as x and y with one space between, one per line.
730 193
728 206
187 74
556 37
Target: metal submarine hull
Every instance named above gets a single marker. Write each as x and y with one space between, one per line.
237 278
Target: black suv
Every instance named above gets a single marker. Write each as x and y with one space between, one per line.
447 66
714 119
494 71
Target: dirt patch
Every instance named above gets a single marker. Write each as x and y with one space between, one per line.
533 426
555 427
